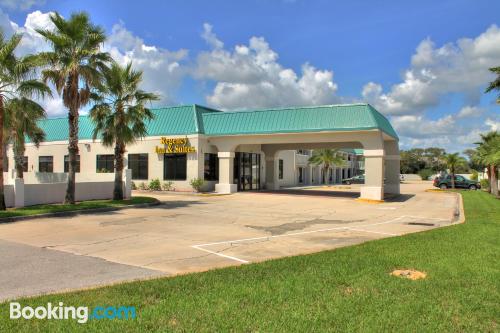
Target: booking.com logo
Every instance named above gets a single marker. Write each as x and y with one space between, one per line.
81 314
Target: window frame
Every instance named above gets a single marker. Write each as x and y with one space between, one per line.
210 167
51 164
179 160
139 175
106 167
66 163
281 170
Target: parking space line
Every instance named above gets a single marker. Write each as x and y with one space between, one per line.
373 232
220 254
201 246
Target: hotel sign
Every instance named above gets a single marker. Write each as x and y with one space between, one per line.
174 146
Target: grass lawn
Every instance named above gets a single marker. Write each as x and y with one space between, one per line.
348 289
91 204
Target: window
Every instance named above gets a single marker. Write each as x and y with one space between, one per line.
66 163
25 163
174 166
280 169
211 168
138 163
46 164
105 163
301 175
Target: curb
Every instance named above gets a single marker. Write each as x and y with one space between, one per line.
75 212
370 201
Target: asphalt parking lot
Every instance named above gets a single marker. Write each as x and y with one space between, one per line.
190 233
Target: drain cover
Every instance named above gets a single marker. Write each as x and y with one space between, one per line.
422 223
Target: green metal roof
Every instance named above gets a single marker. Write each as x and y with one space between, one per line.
195 119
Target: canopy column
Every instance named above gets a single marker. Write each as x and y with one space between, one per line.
226 171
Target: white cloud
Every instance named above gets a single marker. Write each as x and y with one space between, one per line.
20 4
250 76
470 111
494 125
163 70
460 67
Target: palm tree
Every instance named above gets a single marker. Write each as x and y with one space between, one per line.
21 121
453 161
120 114
73 66
495 85
327 158
17 79
488 153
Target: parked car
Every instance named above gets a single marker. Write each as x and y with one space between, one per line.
354 180
460 182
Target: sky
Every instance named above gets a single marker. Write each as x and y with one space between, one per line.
423 64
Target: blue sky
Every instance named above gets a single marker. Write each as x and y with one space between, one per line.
421 63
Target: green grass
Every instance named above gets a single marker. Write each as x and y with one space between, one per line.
348 289
91 204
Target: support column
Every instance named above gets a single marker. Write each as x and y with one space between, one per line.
226 170
392 167
272 172
374 175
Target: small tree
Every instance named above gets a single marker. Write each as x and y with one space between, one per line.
17 80
453 161
21 122
488 153
326 158
120 114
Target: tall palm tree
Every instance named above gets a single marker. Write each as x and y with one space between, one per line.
326 158
17 79
495 85
488 153
73 66
120 114
453 161
21 122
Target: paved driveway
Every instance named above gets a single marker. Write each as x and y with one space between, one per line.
194 233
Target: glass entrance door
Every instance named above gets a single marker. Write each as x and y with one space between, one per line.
247 171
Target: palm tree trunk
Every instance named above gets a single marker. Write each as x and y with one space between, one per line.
73 138
493 180
2 197
118 189
19 159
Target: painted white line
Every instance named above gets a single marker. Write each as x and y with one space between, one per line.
220 254
354 228
373 232
296 233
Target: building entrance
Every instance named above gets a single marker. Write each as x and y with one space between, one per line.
247 171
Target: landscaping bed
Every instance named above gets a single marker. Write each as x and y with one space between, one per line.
79 206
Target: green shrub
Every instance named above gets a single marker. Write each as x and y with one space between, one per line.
425 173
485 184
167 186
155 185
197 184
133 186
474 175
143 186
